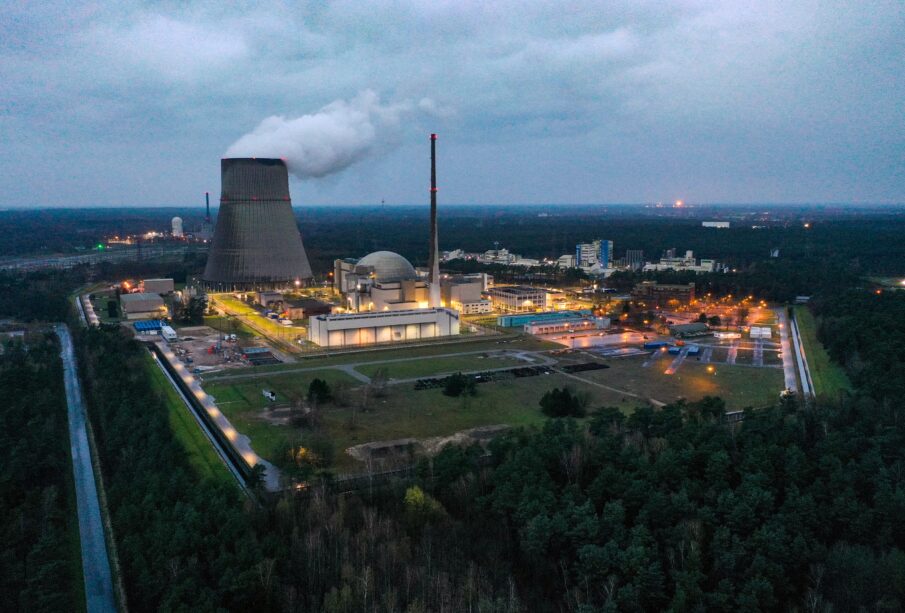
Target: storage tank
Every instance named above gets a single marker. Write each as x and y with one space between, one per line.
177 227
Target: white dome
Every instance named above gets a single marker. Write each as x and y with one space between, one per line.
389 266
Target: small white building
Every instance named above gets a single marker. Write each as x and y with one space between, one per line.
761 332
168 333
715 224
356 329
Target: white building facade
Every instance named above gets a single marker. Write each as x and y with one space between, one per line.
358 329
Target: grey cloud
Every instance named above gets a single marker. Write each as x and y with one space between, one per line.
637 86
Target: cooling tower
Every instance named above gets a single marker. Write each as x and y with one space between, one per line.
256 243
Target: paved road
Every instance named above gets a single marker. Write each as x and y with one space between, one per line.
807 387
95 563
788 359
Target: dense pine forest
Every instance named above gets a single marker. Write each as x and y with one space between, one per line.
40 565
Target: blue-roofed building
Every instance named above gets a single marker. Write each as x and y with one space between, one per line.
148 326
518 321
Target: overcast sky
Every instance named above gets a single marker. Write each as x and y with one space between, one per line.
127 103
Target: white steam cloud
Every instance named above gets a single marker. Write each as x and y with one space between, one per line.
333 138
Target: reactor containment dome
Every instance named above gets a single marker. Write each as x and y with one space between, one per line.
387 267
256 242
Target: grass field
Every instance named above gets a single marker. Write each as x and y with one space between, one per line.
520 343
229 325
739 386
408 413
829 378
201 455
425 367
246 394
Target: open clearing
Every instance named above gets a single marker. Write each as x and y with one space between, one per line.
740 386
201 454
418 414
829 379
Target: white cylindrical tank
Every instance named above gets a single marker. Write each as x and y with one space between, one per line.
177 227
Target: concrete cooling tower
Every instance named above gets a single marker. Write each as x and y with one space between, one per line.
256 243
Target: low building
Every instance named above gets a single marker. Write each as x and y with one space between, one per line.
662 295
686 263
158 286
306 307
266 299
761 332
519 321
476 307
518 298
725 336
142 306
356 329
570 324
689 330
715 224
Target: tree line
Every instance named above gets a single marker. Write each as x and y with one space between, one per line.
39 559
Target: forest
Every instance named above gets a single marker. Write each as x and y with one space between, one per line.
796 508
40 564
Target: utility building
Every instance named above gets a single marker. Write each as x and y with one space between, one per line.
142 306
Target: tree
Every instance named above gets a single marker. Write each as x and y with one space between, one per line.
561 403
319 392
714 320
458 384
702 318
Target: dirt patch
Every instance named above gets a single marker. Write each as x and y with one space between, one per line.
394 452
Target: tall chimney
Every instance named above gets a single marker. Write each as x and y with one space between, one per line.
207 206
434 242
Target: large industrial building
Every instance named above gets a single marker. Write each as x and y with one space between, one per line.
687 263
356 329
661 295
386 281
518 298
380 281
256 242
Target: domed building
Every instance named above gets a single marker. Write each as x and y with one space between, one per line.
386 267
380 281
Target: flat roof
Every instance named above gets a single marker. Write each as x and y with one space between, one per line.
139 297
518 290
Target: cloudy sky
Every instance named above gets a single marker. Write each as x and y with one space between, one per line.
127 103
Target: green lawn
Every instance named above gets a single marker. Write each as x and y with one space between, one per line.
230 325
829 378
424 367
245 394
201 454
406 413
520 343
739 386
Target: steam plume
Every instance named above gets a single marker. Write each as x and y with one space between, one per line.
330 140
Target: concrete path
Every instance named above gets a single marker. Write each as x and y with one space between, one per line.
654 402
733 353
674 366
706 353
759 352
807 387
99 594
788 359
